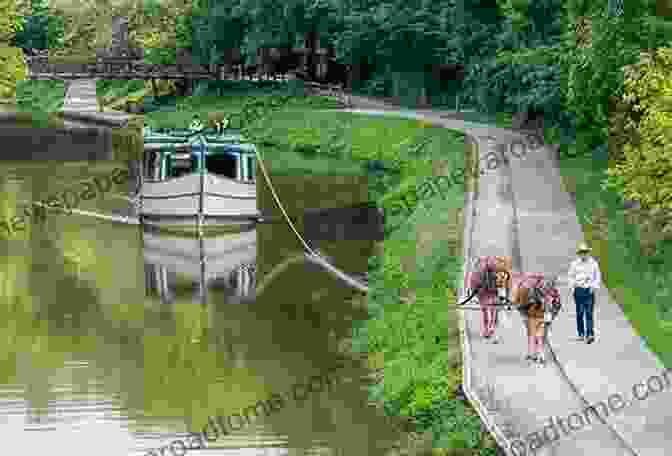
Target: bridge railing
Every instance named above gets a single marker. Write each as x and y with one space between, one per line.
41 67
120 67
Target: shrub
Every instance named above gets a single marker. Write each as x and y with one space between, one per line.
643 173
10 21
12 70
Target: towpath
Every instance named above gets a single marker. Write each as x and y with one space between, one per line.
521 209
80 104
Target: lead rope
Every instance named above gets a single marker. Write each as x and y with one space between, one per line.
316 257
275 196
277 201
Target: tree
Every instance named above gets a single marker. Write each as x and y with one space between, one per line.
10 21
12 70
644 172
42 29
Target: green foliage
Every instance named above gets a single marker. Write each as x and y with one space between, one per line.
523 74
10 21
456 428
581 8
594 75
151 8
634 255
643 174
110 90
420 374
12 70
246 108
43 29
40 96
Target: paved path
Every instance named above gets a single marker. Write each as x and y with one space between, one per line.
80 104
522 210
81 96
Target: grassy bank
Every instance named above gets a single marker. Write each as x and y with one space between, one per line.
416 342
40 99
415 345
633 252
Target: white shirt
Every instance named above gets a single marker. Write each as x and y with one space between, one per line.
585 274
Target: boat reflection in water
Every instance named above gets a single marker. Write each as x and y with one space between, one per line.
178 267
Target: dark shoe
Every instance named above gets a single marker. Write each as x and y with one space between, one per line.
590 340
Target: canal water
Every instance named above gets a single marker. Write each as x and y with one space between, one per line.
116 341
32 136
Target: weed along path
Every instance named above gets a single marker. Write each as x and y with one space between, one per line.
571 405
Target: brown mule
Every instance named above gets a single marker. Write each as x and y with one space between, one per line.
536 297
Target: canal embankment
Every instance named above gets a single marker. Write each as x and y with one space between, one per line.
69 131
418 262
410 272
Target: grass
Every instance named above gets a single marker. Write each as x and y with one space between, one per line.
499 119
229 104
40 96
635 257
112 93
302 142
281 159
421 256
420 260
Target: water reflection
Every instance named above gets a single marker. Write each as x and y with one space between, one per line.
117 341
187 267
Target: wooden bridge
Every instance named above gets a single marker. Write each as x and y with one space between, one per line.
269 64
132 68
40 67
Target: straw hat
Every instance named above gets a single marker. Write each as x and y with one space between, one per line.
583 247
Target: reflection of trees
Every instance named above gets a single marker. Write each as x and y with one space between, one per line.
76 293
191 351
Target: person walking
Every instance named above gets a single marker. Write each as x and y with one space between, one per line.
584 279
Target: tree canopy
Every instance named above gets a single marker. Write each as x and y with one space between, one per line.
515 55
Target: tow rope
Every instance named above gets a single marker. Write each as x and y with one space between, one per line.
477 289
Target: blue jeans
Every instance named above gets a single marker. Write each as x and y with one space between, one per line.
585 299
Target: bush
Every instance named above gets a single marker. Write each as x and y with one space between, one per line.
643 173
12 70
40 96
10 21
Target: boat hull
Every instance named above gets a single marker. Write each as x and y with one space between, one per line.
178 201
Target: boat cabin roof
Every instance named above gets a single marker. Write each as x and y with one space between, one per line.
172 141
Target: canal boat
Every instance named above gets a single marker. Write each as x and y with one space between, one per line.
198 178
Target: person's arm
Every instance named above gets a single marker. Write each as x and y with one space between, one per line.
571 276
597 276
